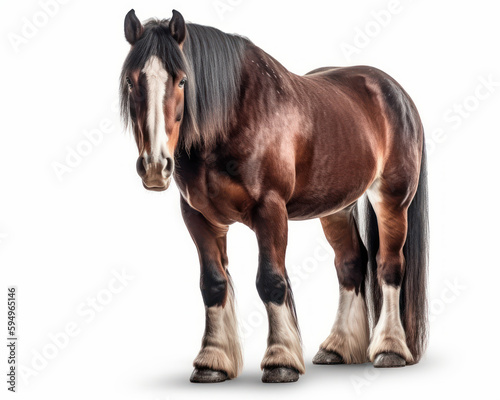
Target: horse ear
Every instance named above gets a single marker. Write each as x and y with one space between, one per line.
133 27
177 27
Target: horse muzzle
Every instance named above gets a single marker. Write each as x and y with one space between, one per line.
155 175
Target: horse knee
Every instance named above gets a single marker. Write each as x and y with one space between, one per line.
271 285
351 273
213 284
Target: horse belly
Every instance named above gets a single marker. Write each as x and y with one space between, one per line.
333 169
317 205
330 186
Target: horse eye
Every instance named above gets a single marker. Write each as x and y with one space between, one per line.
182 83
129 83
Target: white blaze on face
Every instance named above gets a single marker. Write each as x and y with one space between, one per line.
156 78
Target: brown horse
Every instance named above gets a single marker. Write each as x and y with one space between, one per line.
248 141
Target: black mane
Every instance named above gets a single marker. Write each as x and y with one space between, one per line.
211 60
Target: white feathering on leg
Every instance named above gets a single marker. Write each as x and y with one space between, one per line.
389 335
350 334
284 348
221 350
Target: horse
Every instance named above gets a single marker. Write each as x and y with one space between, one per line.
248 141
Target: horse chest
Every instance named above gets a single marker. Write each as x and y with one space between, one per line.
217 197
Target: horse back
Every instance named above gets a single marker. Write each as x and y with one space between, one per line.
370 84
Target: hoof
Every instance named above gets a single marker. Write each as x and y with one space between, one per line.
326 357
205 375
389 360
280 375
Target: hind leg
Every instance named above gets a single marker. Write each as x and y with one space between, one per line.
388 346
349 338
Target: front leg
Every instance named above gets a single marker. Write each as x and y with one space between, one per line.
283 360
220 356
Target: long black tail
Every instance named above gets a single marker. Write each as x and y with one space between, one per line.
413 300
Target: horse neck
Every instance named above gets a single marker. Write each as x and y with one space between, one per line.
265 68
266 88
264 85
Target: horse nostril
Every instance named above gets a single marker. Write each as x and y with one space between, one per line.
141 166
169 166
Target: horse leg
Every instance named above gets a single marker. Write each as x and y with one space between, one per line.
220 356
283 360
388 346
350 335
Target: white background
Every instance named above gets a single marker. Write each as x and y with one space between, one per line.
61 239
